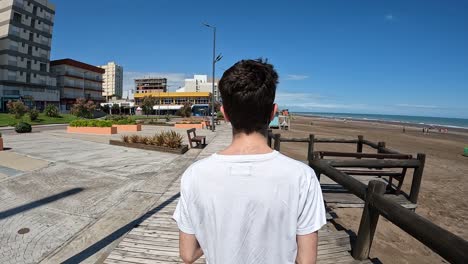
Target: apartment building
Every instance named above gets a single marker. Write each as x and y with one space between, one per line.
199 83
113 81
25 42
150 85
77 79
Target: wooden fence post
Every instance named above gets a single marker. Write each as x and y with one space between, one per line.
417 178
277 142
369 219
380 147
269 133
310 150
360 143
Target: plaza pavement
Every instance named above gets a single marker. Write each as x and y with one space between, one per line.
65 196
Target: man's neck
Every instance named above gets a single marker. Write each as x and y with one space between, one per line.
243 144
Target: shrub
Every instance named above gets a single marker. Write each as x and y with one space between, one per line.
186 110
51 111
17 108
125 122
90 123
219 115
83 108
168 118
169 139
33 114
23 127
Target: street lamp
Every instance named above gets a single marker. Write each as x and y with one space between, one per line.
215 59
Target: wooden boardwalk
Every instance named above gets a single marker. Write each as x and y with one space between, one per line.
155 240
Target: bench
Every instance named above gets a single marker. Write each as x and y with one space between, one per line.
200 141
398 176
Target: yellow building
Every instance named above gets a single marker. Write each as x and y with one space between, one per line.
175 98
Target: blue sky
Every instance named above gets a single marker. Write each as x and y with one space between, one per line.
383 57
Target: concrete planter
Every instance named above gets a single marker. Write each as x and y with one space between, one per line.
181 150
1 143
128 128
189 126
93 130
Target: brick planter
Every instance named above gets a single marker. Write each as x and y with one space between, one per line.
189 126
181 150
128 128
93 130
1 144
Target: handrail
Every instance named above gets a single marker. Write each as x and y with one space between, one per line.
448 245
408 163
365 155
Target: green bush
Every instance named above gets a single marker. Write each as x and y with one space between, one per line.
17 108
23 127
219 115
51 111
33 114
125 122
90 123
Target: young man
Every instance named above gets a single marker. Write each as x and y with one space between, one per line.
247 203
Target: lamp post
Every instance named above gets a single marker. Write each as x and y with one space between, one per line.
215 59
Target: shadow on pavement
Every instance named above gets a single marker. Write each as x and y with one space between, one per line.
38 203
91 250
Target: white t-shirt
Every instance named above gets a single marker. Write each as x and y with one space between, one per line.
249 208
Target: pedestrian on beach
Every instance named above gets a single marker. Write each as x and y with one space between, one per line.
248 203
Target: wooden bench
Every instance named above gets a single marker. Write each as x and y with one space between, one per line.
200 141
399 176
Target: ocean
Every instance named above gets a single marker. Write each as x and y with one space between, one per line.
418 120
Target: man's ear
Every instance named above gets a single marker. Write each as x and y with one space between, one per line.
273 113
224 114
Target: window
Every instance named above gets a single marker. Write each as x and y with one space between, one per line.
17 17
43 67
15 31
13 45
12 75
35 75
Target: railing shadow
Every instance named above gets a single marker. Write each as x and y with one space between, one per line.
91 250
38 203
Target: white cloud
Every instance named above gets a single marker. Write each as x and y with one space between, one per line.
389 17
296 77
174 79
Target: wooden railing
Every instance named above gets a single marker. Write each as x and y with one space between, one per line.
448 245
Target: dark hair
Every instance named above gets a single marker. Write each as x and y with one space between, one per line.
248 91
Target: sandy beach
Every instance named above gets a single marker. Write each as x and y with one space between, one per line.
443 196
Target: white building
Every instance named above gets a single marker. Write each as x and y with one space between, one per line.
199 83
25 41
113 80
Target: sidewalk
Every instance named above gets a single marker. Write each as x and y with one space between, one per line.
154 236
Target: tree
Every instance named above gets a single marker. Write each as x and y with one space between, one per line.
106 109
186 110
147 104
83 108
115 109
51 111
33 114
17 108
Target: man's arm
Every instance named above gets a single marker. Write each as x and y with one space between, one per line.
307 248
189 248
